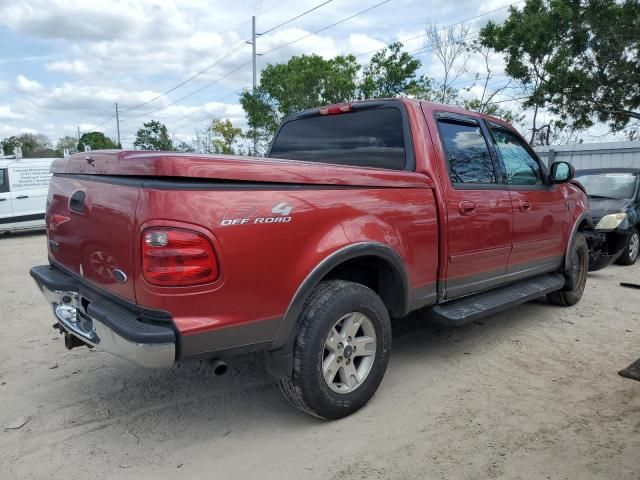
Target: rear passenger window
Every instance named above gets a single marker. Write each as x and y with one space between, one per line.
521 167
467 153
4 180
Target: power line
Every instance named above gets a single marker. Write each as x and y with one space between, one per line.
295 18
189 94
234 50
236 69
192 77
326 28
109 117
466 20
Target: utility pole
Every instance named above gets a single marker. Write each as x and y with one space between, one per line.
255 73
118 125
78 132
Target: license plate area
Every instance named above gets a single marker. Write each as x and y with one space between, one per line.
71 312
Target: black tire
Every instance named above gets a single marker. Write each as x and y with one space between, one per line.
307 388
628 257
576 275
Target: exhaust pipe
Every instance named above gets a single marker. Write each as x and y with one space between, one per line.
219 366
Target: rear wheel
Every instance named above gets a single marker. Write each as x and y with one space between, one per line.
630 254
341 350
576 275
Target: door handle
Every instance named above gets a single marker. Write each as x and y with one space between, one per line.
2 199
467 208
20 197
525 206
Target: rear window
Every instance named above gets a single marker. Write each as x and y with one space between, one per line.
367 138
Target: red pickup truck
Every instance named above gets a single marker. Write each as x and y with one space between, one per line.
360 213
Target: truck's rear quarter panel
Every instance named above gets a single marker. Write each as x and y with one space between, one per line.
262 265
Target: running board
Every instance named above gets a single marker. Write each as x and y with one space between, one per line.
465 310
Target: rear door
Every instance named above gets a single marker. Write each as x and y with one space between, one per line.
6 213
478 209
540 210
29 184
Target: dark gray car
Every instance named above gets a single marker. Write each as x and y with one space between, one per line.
614 195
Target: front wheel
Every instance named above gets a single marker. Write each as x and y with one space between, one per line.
630 254
341 350
576 274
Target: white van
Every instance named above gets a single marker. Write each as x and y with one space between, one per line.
24 184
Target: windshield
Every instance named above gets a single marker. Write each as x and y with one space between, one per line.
609 185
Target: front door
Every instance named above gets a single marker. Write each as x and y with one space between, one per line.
479 212
540 210
6 214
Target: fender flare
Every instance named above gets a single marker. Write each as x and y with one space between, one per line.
567 255
279 359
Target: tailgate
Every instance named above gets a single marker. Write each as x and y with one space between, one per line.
90 226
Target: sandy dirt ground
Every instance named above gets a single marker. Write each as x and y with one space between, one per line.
531 393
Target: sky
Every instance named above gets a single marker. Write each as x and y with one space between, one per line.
65 63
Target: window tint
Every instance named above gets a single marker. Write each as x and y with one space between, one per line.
521 167
467 153
4 180
370 138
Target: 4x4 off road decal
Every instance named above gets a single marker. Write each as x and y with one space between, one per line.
257 213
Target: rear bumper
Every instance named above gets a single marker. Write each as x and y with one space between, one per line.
103 323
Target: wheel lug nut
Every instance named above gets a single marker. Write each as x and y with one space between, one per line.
340 345
339 359
349 338
348 361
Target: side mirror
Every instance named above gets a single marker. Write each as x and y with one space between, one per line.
562 172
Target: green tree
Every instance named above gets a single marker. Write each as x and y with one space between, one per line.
153 136
68 142
95 141
579 58
391 73
219 137
225 136
492 109
32 145
9 144
309 81
303 82
184 147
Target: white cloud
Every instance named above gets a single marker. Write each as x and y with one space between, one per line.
87 55
75 67
6 113
25 85
92 21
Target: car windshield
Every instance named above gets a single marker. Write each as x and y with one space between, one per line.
609 185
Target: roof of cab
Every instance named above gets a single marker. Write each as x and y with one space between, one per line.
428 106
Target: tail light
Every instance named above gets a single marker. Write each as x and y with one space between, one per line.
335 109
177 257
